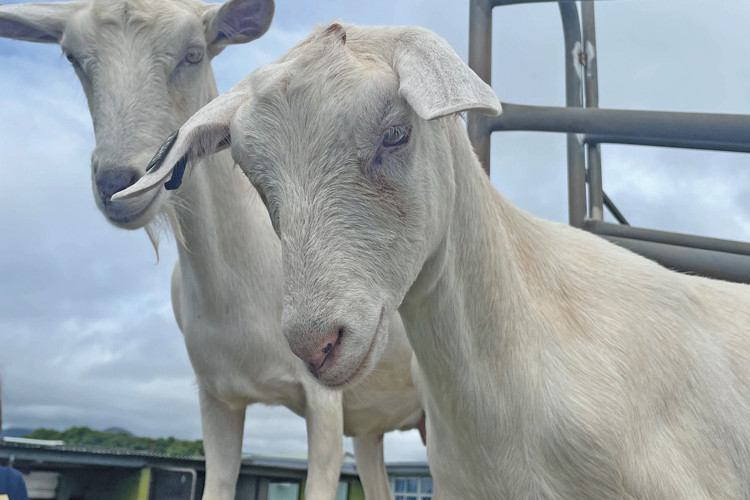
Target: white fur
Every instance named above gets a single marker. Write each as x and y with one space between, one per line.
552 364
226 287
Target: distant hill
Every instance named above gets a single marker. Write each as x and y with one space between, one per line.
117 430
118 438
16 432
22 431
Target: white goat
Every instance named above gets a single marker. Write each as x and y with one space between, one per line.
552 364
145 69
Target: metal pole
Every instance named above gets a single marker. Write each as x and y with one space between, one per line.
640 140
679 129
678 239
614 210
500 3
574 98
719 265
480 60
596 191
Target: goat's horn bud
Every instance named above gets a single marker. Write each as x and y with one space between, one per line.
337 30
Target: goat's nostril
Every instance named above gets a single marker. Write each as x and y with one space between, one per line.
109 182
332 342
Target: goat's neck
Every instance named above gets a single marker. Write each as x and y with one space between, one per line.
225 229
463 311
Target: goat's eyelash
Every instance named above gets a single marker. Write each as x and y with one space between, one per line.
72 59
194 55
396 136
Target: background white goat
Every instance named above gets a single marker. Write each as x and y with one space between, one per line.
145 69
552 363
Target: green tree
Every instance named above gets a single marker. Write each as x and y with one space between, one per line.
84 436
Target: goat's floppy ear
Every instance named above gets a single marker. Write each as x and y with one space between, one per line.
36 22
435 81
205 133
237 21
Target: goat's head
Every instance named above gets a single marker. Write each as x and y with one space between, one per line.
343 140
145 68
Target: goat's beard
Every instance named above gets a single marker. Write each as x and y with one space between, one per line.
165 222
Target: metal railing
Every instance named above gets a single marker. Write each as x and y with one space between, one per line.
587 126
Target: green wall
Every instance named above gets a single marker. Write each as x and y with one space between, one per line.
356 492
105 484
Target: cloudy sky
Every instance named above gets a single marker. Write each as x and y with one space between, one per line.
87 335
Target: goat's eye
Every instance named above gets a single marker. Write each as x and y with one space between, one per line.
396 136
72 60
194 55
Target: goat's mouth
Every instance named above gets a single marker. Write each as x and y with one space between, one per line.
365 364
133 213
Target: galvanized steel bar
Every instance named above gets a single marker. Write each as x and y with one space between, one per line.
480 60
500 3
683 240
737 147
709 263
593 153
574 99
614 210
612 125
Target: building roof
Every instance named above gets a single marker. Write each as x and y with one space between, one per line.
24 453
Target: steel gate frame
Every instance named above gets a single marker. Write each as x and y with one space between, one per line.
587 126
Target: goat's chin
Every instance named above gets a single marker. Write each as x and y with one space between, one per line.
133 213
353 367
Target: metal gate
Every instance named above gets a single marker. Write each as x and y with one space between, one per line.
587 127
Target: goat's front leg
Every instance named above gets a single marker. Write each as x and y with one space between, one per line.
368 450
325 442
223 427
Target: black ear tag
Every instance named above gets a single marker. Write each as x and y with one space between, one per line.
177 174
158 159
